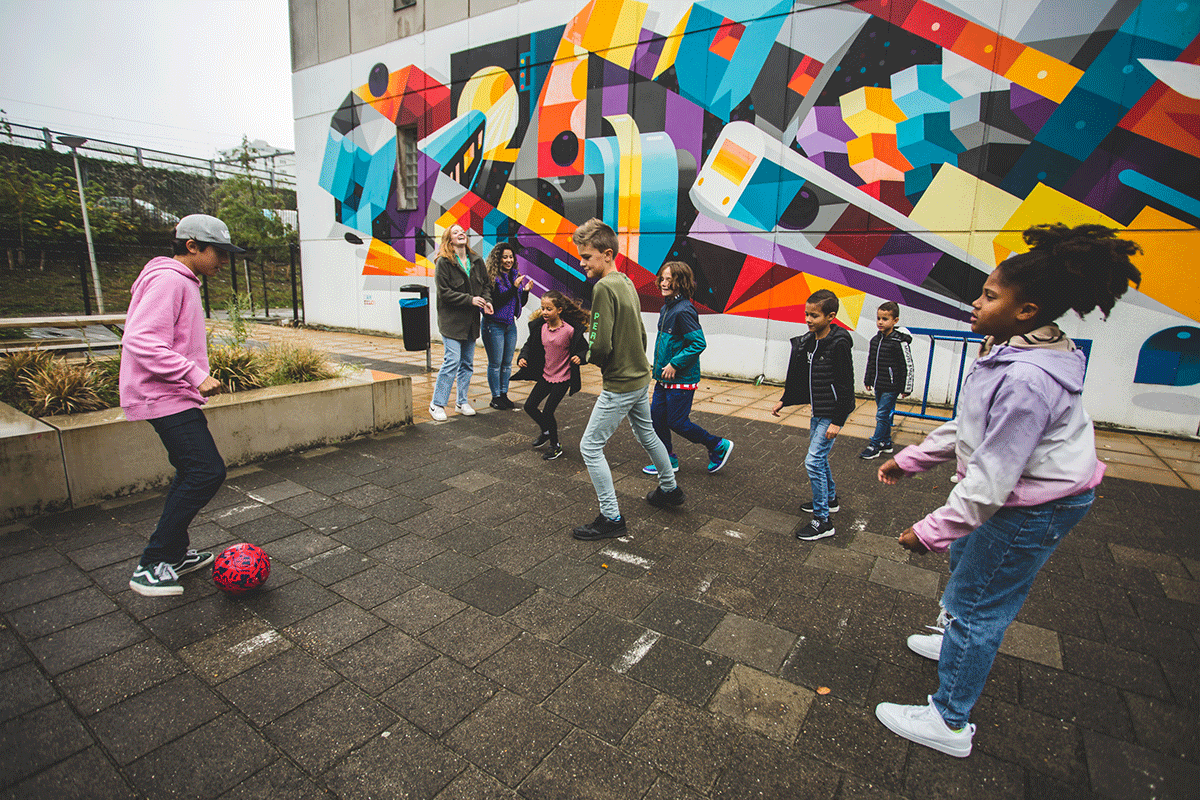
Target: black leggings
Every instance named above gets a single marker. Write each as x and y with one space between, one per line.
552 393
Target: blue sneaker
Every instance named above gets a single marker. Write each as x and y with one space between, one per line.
719 455
650 469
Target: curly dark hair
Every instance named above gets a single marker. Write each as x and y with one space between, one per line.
1080 268
493 260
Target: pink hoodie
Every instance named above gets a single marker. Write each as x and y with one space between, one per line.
164 348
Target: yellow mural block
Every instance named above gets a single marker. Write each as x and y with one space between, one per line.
1045 205
870 109
538 217
957 204
1168 262
382 259
851 299
629 199
1044 74
613 28
666 59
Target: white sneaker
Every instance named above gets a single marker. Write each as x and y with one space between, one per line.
437 412
926 644
925 726
466 410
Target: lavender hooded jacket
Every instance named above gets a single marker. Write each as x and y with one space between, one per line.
1021 438
164 350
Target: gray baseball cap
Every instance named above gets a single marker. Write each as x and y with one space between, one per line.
203 228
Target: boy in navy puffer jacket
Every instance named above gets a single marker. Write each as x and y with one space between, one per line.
677 368
889 373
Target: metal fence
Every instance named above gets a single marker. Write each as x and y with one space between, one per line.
270 167
58 281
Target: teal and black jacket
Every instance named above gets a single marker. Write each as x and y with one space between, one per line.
680 341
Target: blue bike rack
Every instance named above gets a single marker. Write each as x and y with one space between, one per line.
962 337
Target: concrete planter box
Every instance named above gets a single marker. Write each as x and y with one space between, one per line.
79 459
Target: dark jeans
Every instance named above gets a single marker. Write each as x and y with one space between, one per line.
199 473
552 393
885 403
671 410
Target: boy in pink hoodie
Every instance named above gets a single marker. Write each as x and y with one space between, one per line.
164 380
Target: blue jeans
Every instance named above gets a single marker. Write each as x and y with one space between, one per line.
817 466
991 572
458 360
670 410
885 407
607 414
500 342
199 473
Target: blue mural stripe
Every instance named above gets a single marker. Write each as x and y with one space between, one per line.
1173 197
570 270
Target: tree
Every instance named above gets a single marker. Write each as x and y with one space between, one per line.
245 203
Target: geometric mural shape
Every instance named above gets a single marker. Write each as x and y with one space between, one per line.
1170 357
870 109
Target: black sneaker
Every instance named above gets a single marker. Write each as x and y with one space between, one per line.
807 508
541 439
554 452
191 562
509 405
497 403
887 448
817 529
662 499
870 451
601 528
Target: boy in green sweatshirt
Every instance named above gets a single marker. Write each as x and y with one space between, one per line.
617 344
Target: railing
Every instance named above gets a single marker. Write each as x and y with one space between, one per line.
962 337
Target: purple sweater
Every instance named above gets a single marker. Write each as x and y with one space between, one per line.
164 350
1021 438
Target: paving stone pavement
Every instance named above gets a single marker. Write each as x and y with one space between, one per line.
431 630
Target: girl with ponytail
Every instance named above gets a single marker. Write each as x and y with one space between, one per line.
1027 466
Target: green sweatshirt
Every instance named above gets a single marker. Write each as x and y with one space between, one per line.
617 340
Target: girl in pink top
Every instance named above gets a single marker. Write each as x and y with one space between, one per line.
557 345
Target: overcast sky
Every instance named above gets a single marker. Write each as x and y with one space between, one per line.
185 76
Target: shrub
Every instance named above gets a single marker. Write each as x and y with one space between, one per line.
286 363
62 388
236 366
15 366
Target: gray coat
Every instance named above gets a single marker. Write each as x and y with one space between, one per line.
457 318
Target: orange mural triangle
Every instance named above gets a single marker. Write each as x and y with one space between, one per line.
752 269
780 313
792 291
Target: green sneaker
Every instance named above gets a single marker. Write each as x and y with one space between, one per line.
156 580
719 455
192 561
650 469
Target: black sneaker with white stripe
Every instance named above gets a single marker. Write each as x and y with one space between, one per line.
817 529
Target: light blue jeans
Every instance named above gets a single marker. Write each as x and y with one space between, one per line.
500 342
991 572
458 361
817 466
607 414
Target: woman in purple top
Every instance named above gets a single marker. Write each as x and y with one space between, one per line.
500 328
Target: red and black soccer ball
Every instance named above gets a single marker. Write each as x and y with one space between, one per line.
241 568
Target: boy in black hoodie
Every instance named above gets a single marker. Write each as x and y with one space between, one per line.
820 373
889 374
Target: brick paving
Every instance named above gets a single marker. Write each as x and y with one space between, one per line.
431 630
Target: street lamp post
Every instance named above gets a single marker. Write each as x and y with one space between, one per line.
75 142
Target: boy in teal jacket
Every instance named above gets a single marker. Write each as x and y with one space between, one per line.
677 368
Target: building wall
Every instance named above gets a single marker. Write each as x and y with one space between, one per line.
884 150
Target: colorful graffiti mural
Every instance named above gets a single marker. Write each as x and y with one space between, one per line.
887 149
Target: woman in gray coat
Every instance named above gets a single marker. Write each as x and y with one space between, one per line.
463 290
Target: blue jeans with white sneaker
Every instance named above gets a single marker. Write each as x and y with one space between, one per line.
817 466
458 361
991 572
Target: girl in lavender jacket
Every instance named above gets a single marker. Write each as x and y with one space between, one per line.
1027 466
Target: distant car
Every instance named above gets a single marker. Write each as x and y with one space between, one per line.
142 208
